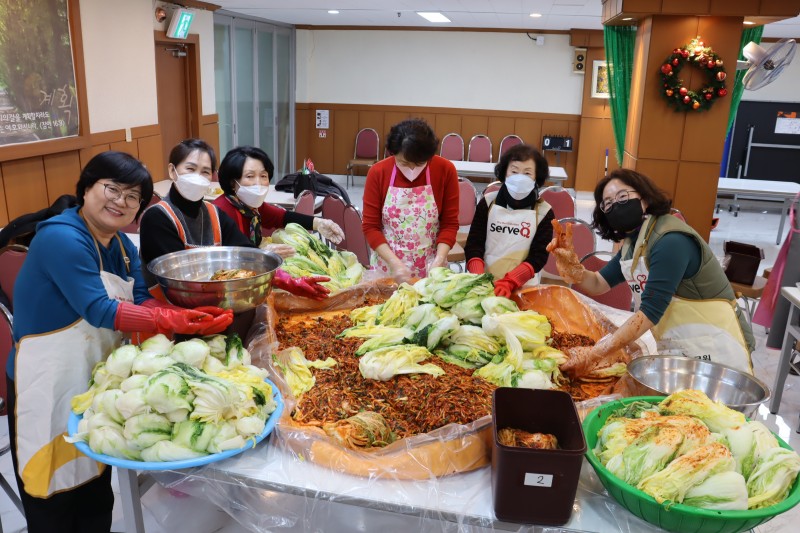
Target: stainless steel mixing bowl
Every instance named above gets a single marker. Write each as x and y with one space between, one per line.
185 277
656 375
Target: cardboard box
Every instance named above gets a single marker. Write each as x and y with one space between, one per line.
742 260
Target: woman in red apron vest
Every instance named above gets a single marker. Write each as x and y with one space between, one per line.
184 220
78 290
410 216
512 226
680 291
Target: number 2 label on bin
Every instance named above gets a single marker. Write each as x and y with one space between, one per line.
538 480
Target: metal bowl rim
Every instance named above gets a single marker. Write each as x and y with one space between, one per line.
764 387
161 259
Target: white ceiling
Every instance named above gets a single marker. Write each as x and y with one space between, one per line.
506 14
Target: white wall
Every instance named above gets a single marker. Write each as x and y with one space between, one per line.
119 59
474 70
784 89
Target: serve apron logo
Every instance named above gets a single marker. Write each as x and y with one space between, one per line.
511 228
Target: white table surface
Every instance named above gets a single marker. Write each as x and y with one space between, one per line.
486 170
280 198
762 189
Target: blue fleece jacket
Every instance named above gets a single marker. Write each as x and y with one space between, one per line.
59 282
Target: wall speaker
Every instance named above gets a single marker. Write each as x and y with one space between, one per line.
579 61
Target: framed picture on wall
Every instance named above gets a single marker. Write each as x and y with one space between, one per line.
600 80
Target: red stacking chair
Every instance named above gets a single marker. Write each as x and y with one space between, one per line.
354 235
452 147
583 239
507 142
620 296
480 149
305 203
333 209
560 200
365 153
11 259
6 341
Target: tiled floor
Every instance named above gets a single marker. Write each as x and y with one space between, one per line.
165 512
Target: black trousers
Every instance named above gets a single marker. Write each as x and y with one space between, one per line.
84 509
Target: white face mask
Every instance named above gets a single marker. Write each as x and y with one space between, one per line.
411 174
192 186
519 186
252 195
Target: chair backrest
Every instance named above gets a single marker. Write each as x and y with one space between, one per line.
367 144
493 186
11 259
677 213
452 147
560 200
507 142
333 209
6 341
133 227
467 201
620 296
480 149
305 203
354 235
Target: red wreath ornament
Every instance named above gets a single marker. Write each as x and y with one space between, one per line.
702 57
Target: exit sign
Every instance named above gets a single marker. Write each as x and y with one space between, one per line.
180 24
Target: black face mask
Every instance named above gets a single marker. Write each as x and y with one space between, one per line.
625 217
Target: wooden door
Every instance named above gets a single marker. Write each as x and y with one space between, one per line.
174 109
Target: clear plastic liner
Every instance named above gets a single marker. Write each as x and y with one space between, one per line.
303 481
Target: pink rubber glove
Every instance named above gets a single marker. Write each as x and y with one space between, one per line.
476 266
307 286
513 280
163 319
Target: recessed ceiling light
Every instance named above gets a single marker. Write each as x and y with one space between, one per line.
749 22
433 17
628 18
535 15
333 11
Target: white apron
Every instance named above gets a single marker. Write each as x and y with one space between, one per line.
50 369
509 233
704 329
410 222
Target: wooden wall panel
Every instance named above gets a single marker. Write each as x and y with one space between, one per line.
303 123
26 189
331 154
593 140
30 184
663 173
344 141
696 193
152 155
61 174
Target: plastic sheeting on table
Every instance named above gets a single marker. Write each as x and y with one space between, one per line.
277 488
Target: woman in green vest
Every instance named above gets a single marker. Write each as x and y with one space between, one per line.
679 288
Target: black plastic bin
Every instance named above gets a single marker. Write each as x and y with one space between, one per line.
536 486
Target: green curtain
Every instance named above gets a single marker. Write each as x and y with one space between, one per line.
619 43
749 34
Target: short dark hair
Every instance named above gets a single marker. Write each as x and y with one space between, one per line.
413 139
658 203
523 152
232 165
182 150
118 167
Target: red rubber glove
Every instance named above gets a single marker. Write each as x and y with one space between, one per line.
308 286
150 319
476 266
513 280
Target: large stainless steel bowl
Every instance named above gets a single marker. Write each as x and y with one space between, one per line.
664 374
185 277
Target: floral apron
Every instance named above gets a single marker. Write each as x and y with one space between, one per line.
703 329
51 368
410 221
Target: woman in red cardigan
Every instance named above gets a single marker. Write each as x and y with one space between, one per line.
411 204
244 177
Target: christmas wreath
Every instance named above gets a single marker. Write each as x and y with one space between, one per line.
702 57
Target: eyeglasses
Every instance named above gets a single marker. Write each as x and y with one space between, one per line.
114 193
621 198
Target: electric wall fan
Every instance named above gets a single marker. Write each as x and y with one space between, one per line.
765 65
